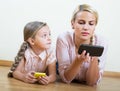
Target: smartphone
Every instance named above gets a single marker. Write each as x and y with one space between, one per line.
38 74
93 50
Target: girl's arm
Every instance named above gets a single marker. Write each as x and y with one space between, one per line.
52 71
51 74
20 74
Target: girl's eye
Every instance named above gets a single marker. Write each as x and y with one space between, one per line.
44 36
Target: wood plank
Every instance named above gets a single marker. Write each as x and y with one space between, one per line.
6 63
111 74
11 84
106 73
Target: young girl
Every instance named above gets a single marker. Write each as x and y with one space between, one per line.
73 66
35 55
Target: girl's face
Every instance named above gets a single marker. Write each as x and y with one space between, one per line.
84 25
42 39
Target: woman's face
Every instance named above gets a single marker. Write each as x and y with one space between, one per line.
84 25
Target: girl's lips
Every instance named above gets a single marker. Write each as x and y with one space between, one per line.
49 43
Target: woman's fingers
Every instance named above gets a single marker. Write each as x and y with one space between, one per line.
84 56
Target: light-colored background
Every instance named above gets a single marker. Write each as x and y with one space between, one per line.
14 14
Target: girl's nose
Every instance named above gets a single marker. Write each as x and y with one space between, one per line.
49 37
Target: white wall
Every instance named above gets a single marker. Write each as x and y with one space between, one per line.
14 14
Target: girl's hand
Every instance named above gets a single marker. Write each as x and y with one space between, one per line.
29 77
44 80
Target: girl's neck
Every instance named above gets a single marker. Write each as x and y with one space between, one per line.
37 51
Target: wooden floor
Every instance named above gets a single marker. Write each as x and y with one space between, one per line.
11 84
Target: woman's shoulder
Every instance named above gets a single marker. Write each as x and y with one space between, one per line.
66 37
65 34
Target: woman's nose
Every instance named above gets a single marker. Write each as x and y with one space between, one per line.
86 26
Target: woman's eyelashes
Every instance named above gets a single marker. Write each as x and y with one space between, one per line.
84 22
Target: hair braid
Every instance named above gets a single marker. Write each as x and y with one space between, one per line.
18 58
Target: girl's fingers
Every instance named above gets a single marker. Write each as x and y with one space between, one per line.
29 78
31 74
43 80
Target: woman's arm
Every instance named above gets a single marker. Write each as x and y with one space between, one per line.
92 74
68 67
75 67
95 70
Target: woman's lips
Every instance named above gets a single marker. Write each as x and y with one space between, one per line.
85 33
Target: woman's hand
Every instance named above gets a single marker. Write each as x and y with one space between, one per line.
84 57
44 80
29 77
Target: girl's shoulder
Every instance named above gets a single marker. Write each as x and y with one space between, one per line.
51 50
29 53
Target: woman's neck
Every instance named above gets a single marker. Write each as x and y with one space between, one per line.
78 42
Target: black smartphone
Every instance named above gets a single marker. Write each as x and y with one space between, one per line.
93 50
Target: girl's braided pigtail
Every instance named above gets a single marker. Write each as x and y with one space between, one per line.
18 58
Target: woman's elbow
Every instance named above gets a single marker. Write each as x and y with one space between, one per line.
91 83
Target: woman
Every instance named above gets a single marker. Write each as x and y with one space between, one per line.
73 66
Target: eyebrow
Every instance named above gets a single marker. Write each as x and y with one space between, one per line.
84 20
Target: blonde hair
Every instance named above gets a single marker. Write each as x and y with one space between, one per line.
85 7
30 30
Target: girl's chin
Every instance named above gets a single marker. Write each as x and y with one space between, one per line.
47 47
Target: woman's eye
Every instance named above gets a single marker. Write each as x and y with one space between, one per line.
81 22
91 23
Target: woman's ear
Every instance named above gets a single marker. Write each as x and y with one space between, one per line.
31 41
